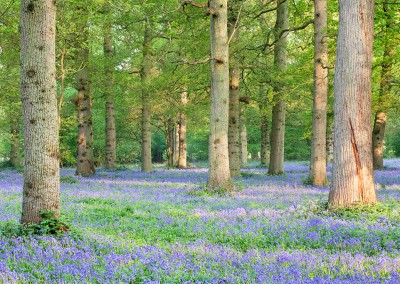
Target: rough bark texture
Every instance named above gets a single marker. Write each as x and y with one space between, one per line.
378 134
170 138
318 148
85 159
146 112
39 104
276 164
111 154
219 173
234 72
265 138
329 145
15 155
182 161
353 177
243 144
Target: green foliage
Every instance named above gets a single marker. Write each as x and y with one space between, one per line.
68 179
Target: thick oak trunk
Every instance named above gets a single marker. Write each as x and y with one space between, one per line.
276 164
15 154
39 104
378 134
111 154
146 112
318 147
352 174
219 173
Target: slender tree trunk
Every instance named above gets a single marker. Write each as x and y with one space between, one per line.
182 161
243 144
233 129
111 154
170 142
15 156
219 173
85 159
318 148
265 138
146 112
353 177
176 145
40 117
276 164
378 134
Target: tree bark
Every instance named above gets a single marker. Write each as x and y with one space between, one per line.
378 134
234 72
353 177
265 138
182 161
15 155
219 173
176 145
111 154
276 164
40 118
170 142
329 145
85 159
243 144
146 112
318 148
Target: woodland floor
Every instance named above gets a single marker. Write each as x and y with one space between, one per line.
130 227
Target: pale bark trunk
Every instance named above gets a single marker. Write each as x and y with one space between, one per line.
378 134
219 173
111 154
318 148
85 159
15 155
276 164
329 145
353 177
146 112
40 117
233 129
182 161
176 145
243 144
265 138
170 142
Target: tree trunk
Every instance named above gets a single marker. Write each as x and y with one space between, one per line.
219 173
318 148
276 164
85 159
353 177
146 112
329 145
385 89
40 117
233 129
15 156
265 138
170 142
182 161
243 144
176 145
111 154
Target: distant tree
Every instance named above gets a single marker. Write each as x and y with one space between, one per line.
219 173
39 103
353 177
318 148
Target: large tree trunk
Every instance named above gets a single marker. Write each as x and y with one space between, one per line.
265 138
353 177
219 173
146 112
318 148
243 144
276 164
85 159
111 154
233 129
39 103
386 83
15 156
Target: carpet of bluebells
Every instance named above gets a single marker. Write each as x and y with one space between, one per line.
130 227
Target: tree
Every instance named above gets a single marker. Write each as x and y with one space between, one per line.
318 148
219 173
276 164
353 178
39 102
182 160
